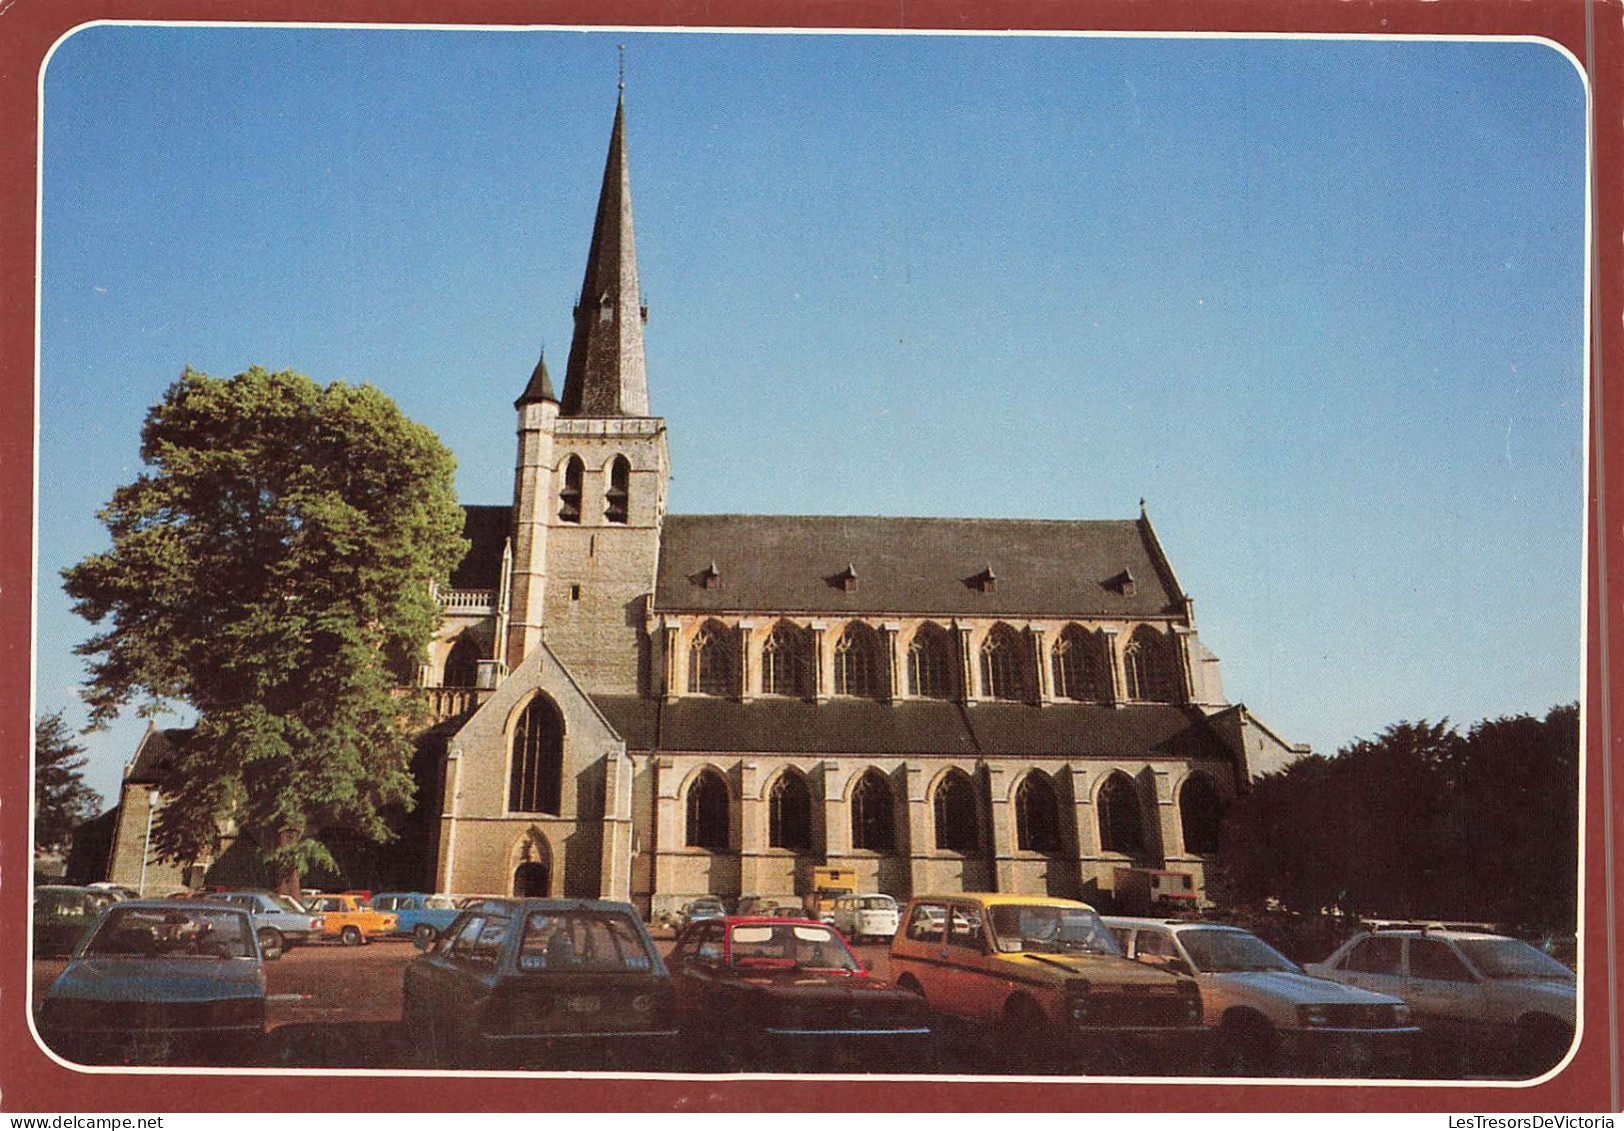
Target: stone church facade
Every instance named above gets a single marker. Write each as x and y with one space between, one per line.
646 706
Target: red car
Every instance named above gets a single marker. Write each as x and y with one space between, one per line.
789 991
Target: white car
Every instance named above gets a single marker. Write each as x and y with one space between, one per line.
1266 1011
1483 995
870 916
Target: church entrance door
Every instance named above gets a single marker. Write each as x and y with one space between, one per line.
531 881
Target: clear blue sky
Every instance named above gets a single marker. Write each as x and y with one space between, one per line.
1319 302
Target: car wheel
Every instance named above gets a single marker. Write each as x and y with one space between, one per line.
271 943
351 936
1026 1035
423 935
911 984
1246 1045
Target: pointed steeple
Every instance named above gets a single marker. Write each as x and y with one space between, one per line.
606 375
540 387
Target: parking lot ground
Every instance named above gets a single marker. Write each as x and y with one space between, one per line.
330 1006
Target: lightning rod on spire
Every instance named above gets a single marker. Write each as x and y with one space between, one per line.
621 47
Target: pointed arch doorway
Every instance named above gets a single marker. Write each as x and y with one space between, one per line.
532 880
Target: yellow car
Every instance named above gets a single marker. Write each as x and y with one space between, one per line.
349 920
1046 972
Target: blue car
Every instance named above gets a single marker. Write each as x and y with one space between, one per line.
421 916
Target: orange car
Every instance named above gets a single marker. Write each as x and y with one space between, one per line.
349 920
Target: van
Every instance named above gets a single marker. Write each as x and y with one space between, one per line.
869 916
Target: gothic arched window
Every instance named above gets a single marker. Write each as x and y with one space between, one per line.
930 663
1037 815
1201 813
957 827
872 817
569 494
617 500
536 771
462 663
789 813
708 811
1080 670
710 662
857 662
1147 667
1120 825
784 661
1001 664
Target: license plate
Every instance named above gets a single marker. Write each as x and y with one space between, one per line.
581 1003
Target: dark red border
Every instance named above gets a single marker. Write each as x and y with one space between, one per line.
30 1082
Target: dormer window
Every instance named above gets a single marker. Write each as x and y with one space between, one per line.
709 577
845 580
1122 583
984 582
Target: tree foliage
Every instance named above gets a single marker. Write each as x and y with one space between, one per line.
61 798
272 570
1419 821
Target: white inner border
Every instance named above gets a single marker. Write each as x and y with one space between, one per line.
1584 561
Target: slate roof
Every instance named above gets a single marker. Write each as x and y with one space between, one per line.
912 727
155 755
487 529
914 566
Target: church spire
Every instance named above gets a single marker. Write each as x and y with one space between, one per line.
606 374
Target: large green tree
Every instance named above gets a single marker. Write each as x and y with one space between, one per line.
61 798
1419 821
272 571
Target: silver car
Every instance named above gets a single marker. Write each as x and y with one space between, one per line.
1266 1011
161 982
1483 999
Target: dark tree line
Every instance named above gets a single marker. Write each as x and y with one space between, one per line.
1420 821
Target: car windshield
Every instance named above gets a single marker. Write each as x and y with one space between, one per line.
1050 929
806 946
707 908
1231 952
1510 958
877 903
162 932
440 903
582 941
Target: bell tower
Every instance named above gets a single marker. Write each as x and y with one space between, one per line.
592 469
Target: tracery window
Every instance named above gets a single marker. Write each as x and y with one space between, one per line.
536 769
1001 664
710 662
1080 666
1037 815
1121 828
857 662
957 826
784 661
872 817
617 500
930 663
708 805
1148 667
569 496
789 813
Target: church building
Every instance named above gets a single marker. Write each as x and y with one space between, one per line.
652 707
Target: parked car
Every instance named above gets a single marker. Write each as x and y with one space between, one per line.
1264 1009
871 916
758 904
161 981
1483 998
64 914
788 989
421 916
698 910
1047 973
536 982
347 919
280 921
117 891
